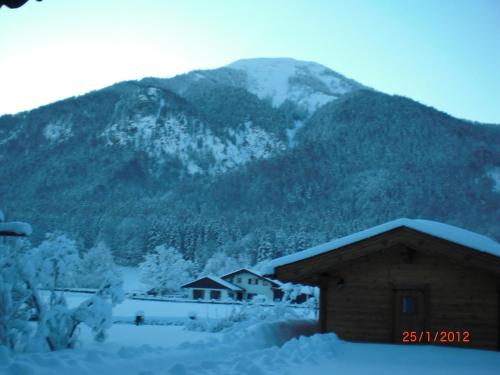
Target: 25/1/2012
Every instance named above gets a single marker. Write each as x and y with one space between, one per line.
443 337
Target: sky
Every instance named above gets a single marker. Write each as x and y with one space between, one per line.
444 53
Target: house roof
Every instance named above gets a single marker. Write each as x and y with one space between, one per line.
212 282
444 231
241 270
15 228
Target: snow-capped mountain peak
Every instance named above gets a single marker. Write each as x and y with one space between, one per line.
308 84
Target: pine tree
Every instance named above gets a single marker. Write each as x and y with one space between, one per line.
153 237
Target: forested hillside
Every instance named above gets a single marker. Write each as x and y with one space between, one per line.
206 164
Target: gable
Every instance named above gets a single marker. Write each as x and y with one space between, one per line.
246 272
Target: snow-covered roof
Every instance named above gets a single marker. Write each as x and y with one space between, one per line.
217 280
444 231
15 228
241 270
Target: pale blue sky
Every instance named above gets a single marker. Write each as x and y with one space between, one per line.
444 53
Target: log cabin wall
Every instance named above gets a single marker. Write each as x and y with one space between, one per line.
458 297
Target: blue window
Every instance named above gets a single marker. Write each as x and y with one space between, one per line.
408 305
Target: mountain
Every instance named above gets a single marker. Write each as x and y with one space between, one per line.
259 158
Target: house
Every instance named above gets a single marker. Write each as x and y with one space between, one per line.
405 281
212 288
254 284
240 285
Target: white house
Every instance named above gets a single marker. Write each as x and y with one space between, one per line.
254 284
240 285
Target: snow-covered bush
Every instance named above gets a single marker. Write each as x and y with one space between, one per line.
165 269
15 312
55 265
51 265
252 312
97 266
56 261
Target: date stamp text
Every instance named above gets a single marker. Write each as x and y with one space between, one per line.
440 337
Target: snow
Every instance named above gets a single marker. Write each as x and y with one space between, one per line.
494 174
308 84
218 280
176 136
131 281
271 348
58 131
168 312
265 348
19 228
434 228
166 336
268 78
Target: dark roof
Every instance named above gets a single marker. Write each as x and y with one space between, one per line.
241 270
212 282
4 233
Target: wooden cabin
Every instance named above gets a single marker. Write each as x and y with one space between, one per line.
406 281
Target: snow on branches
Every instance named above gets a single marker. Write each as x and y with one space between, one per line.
31 281
165 269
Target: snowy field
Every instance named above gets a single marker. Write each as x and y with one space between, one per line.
168 312
254 348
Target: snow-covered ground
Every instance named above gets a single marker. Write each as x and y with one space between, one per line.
259 348
122 335
266 348
173 312
252 347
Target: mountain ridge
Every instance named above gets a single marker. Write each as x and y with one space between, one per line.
205 164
